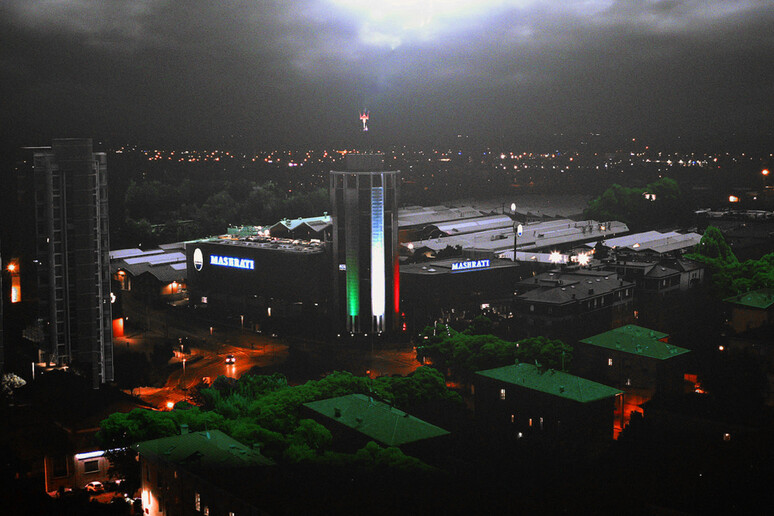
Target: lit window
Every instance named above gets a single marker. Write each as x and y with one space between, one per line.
502 394
629 382
530 421
197 502
513 418
206 511
726 437
609 361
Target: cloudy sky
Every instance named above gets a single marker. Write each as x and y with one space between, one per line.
275 71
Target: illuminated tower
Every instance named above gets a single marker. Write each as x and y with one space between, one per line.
365 245
71 218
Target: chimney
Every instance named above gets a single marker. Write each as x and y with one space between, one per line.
183 429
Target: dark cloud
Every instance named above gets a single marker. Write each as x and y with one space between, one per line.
281 71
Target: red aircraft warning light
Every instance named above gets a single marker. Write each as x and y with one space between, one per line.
364 119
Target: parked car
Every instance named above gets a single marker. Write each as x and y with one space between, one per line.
95 487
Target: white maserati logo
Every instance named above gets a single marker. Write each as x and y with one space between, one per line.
198 259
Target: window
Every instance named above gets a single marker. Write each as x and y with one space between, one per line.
629 382
502 394
609 361
59 466
513 418
91 466
197 502
206 511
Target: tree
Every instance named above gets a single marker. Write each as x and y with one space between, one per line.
729 276
8 384
467 352
665 204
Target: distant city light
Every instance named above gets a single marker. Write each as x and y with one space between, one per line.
733 198
765 171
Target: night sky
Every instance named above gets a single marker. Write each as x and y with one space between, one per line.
298 72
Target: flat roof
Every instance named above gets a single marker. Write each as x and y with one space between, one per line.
166 263
550 381
424 215
653 241
376 419
265 242
763 298
476 224
636 340
439 267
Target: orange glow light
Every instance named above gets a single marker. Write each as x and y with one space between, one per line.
765 171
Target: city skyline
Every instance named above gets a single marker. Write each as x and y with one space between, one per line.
279 73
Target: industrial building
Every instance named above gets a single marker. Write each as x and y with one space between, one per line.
652 243
71 221
494 237
436 290
366 292
269 281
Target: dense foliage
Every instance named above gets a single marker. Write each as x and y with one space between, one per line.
631 206
265 410
464 353
729 275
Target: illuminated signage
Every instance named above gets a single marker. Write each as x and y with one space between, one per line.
230 261
198 259
473 264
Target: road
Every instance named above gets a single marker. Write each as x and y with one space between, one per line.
211 365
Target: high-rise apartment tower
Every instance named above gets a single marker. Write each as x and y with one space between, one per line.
71 218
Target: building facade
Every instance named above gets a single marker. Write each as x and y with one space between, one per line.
72 247
365 246
565 303
528 401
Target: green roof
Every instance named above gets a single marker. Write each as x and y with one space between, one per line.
211 448
762 298
375 419
557 383
637 341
